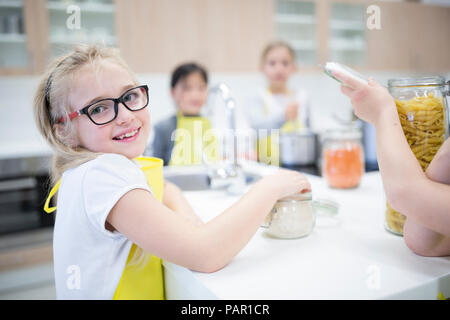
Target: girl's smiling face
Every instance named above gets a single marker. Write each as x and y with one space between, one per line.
108 80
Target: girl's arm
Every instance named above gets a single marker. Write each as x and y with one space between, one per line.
173 198
206 247
408 190
420 239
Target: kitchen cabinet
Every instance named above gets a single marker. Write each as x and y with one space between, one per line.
227 36
320 31
34 31
13 38
156 35
296 22
347 42
96 24
411 36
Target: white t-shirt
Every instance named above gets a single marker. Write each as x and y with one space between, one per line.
88 259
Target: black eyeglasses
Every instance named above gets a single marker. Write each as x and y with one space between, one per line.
105 110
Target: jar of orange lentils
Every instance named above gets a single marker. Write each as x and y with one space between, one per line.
343 158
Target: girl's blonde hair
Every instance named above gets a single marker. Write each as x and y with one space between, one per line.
277 44
51 103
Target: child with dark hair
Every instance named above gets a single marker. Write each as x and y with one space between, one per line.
180 139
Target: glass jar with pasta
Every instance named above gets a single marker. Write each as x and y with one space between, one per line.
422 109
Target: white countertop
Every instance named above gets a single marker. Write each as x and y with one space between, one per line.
24 149
350 256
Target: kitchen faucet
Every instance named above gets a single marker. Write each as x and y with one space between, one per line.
230 106
232 175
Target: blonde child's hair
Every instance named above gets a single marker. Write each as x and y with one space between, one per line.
277 44
51 103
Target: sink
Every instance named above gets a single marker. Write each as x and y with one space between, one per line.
199 180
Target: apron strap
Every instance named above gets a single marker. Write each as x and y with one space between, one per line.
50 196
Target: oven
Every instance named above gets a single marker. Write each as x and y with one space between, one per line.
24 185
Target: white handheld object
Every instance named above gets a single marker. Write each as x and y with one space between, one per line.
331 67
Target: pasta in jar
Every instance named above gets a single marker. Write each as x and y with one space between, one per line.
422 112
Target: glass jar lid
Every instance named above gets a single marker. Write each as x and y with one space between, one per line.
326 206
307 196
343 134
417 82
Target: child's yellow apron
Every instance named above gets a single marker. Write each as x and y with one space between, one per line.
193 136
142 281
268 147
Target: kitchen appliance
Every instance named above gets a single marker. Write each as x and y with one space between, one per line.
298 148
23 187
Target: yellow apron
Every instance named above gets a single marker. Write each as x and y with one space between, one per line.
193 136
268 147
142 281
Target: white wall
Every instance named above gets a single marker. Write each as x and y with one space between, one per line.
18 131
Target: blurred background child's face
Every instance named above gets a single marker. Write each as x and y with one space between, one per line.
110 81
277 66
190 94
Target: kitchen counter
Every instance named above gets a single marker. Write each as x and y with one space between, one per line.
348 256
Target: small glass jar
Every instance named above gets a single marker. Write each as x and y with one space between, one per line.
292 217
423 113
343 158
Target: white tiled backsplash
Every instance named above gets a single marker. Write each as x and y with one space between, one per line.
17 124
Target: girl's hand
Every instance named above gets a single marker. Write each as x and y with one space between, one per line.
370 100
285 183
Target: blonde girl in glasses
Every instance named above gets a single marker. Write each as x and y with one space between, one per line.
110 231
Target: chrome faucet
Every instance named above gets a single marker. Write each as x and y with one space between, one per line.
233 175
230 105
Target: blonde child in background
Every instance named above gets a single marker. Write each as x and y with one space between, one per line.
278 106
423 197
93 112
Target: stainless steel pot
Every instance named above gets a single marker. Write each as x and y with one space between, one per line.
298 148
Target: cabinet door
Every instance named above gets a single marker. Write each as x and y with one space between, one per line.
413 36
295 22
156 35
13 40
347 40
73 22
